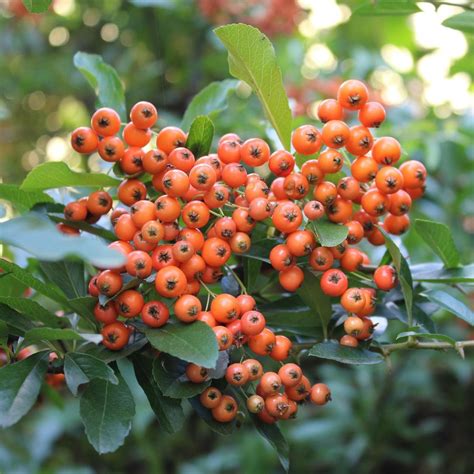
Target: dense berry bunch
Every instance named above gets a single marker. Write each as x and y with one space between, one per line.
179 228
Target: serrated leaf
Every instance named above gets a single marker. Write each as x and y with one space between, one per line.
82 368
427 335
386 7
171 386
37 6
311 294
195 342
56 174
346 355
450 304
40 238
104 80
200 135
253 60
23 200
25 277
68 276
20 385
209 101
168 410
463 21
328 233
107 411
438 236
32 310
403 273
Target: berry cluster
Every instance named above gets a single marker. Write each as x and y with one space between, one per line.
204 210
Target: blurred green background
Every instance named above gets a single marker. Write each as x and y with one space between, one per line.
416 418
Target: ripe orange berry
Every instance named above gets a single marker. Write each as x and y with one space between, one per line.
226 411
335 134
386 151
170 138
225 308
170 282
211 397
306 140
187 308
353 325
349 341
330 109
291 278
84 140
237 374
320 394
143 115
255 152
352 94
105 122
372 114
115 336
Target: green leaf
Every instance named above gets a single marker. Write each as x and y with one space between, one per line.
252 59
20 385
288 314
346 355
4 332
31 309
200 135
462 21
387 7
275 437
195 342
438 236
450 304
50 334
107 411
427 335
69 276
403 273
437 273
168 410
17 323
23 200
204 413
311 294
40 238
106 355
37 6
209 101
171 386
328 233
104 80
252 268
56 174
25 277
84 306
82 368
